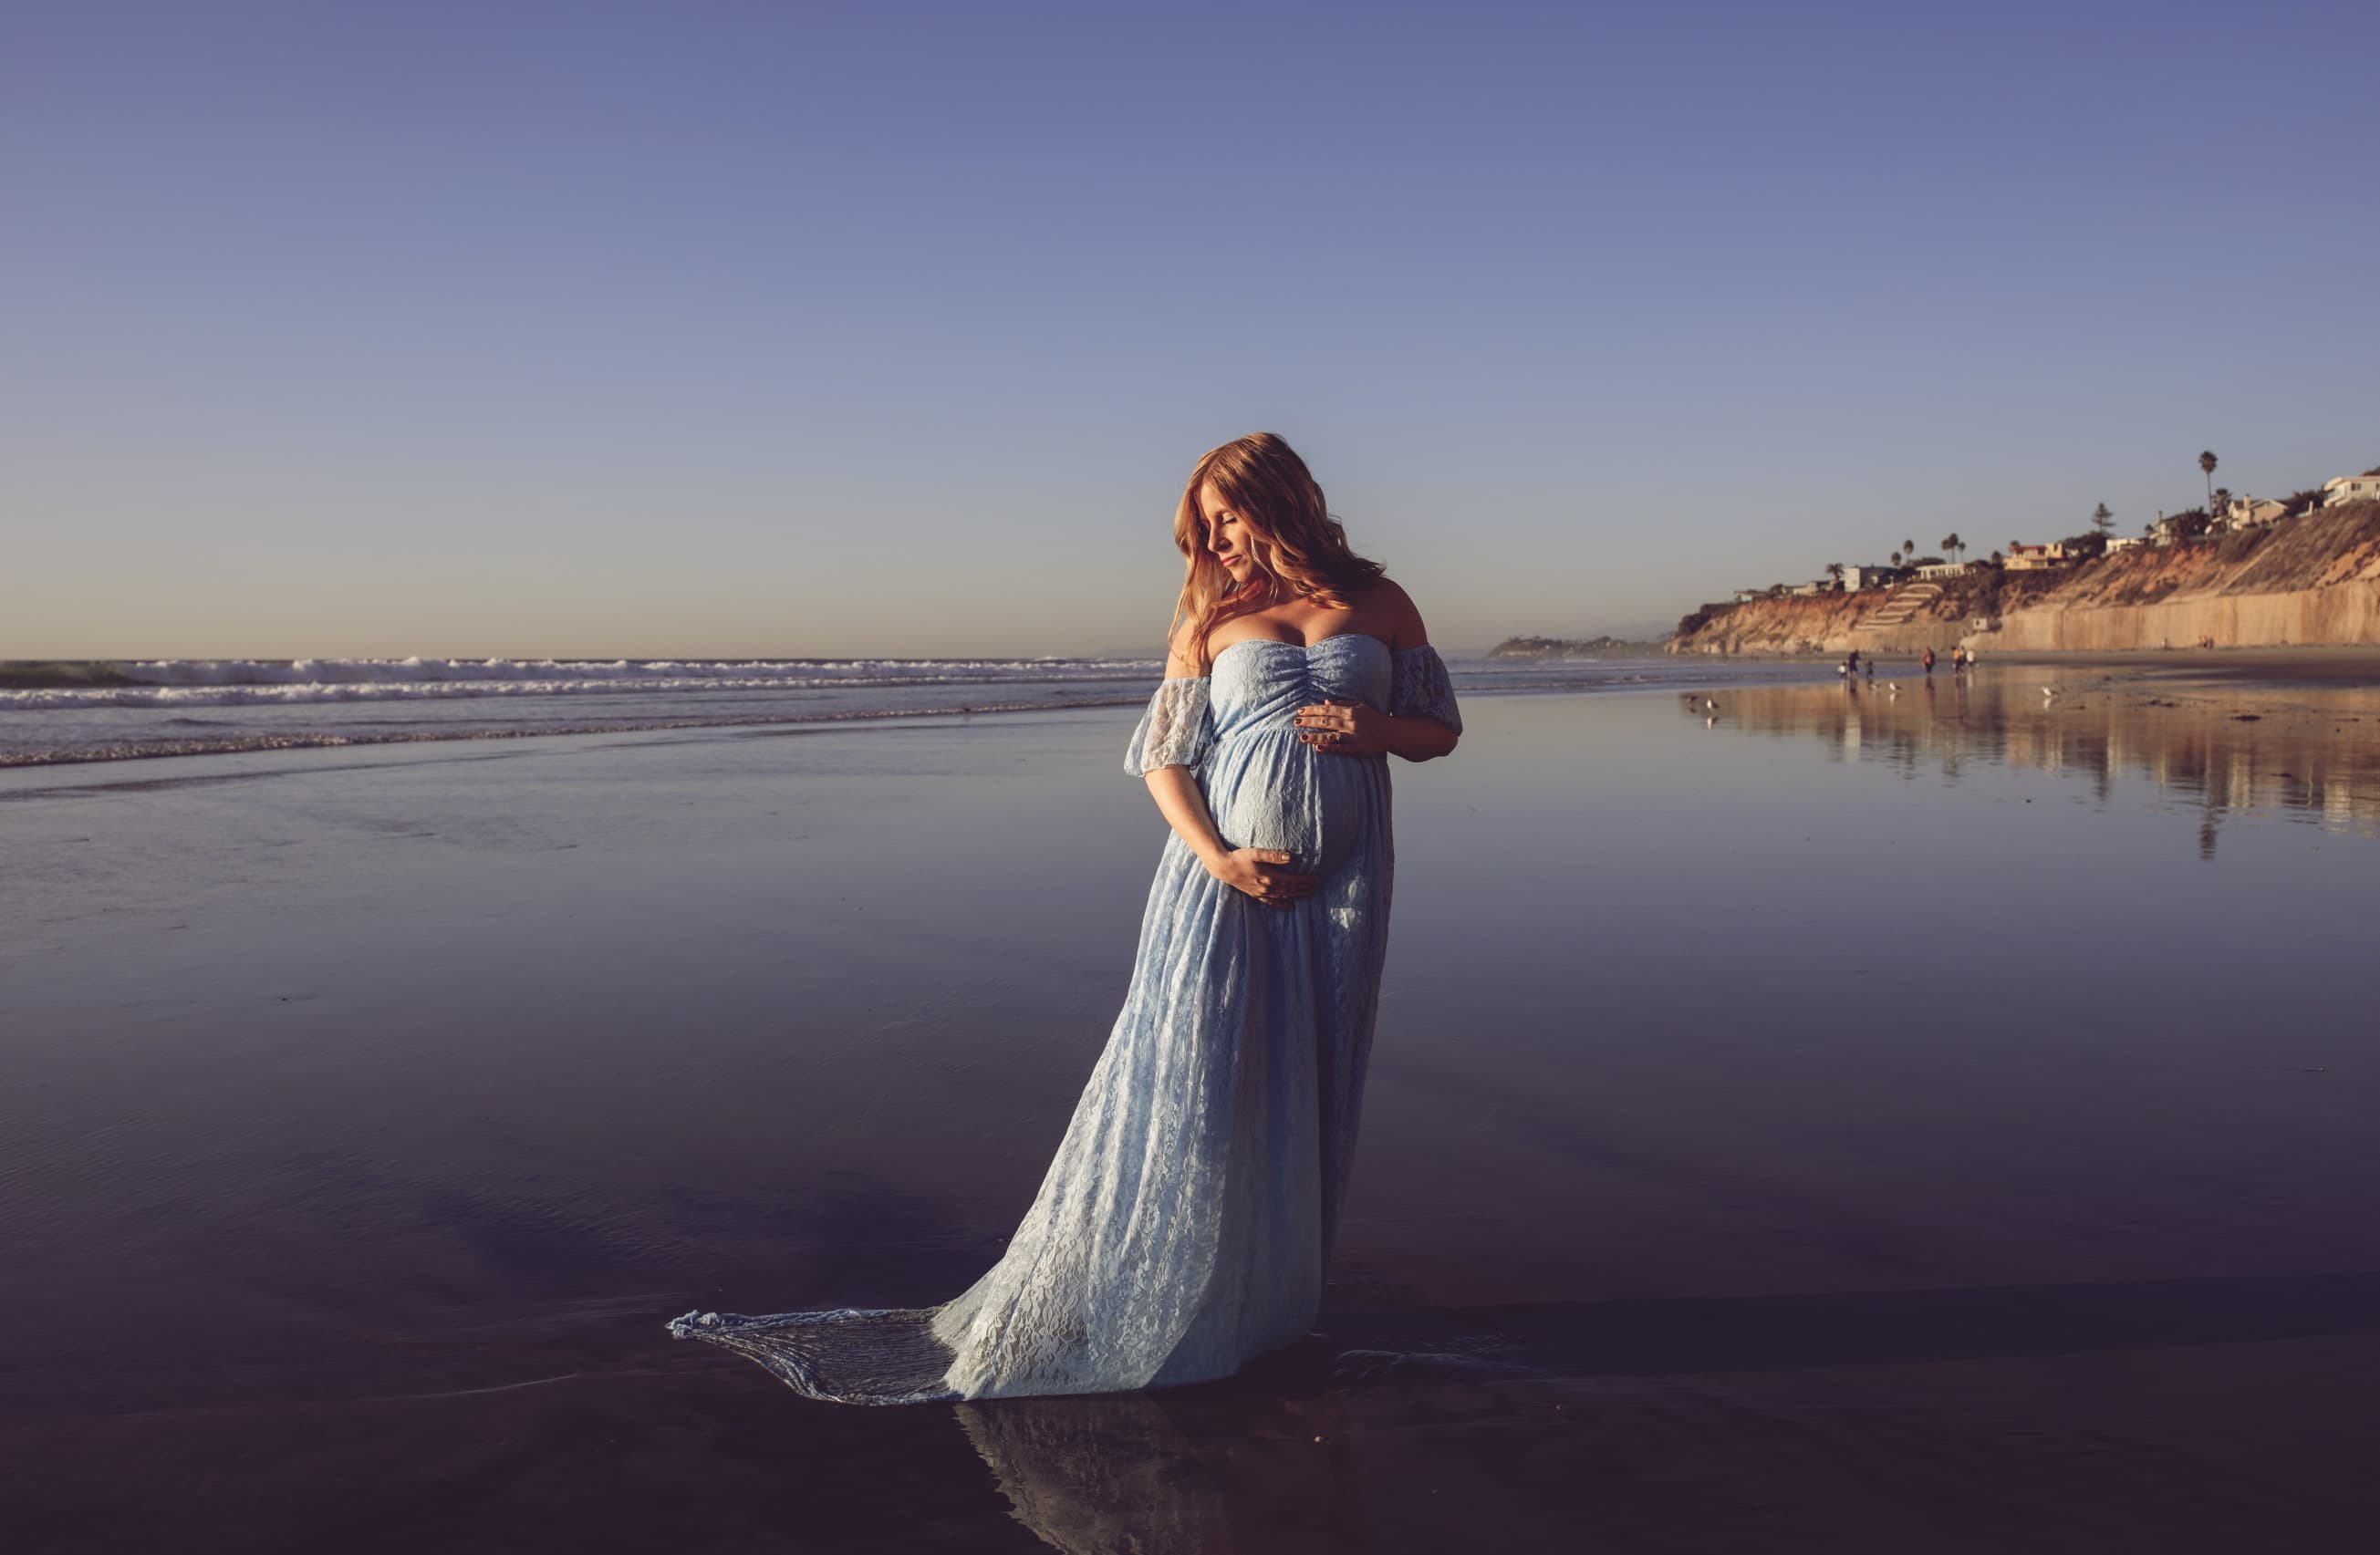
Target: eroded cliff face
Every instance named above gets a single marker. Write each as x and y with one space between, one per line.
1909 619
2313 579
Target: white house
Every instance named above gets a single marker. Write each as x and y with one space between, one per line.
2121 543
1870 577
1943 569
2243 513
2350 487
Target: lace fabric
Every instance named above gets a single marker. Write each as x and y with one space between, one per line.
1175 730
1419 686
1186 1218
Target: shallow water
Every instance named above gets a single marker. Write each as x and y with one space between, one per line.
1816 1121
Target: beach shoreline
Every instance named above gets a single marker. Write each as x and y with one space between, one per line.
2345 663
371 1114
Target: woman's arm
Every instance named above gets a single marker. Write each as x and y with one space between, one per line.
1416 738
1251 870
1184 804
1345 728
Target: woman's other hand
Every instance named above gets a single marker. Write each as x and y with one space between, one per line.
1345 728
1258 872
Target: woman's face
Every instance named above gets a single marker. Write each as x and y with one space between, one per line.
1227 533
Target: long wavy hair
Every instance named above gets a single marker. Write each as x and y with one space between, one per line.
1299 550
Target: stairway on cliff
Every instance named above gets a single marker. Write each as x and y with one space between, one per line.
1901 607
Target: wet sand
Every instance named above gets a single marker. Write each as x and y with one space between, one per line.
1825 1122
2343 664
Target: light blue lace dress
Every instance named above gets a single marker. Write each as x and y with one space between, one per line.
1182 1229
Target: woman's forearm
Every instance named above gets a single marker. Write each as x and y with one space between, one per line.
1418 738
1184 804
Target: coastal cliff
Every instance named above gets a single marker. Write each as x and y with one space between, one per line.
2307 581
2310 580
1909 619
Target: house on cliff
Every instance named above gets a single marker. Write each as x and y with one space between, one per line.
1856 578
2035 558
2251 512
2351 488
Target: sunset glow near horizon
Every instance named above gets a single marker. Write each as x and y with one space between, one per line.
735 329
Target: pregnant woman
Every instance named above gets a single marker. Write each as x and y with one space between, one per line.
1182 1229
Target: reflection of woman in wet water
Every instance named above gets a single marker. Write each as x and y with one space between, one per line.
1182 1229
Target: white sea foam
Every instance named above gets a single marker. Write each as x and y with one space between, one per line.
418 670
179 707
129 750
186 683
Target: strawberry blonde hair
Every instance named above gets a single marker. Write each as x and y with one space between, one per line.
1299 550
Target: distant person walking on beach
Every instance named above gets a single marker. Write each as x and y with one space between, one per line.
1184 1227
1928 661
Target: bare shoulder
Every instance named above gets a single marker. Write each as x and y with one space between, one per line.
1394 610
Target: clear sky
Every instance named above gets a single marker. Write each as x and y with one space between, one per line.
683 328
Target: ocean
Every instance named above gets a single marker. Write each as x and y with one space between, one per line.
204 707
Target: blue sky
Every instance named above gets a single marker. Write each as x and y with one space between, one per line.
690 328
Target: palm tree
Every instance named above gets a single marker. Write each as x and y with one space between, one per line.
1909 549
1896 558
2218 505
2206 463
1953 545
2103 518
1835 571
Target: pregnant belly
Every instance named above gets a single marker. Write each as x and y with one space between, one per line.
1269 790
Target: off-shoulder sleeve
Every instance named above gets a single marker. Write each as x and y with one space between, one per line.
1420 686
1174 732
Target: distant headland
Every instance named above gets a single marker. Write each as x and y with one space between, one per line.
1576 647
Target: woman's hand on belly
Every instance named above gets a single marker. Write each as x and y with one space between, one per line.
1256 870
1343 728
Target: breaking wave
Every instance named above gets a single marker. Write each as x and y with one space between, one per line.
54 713
185 683
418 671
133 751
